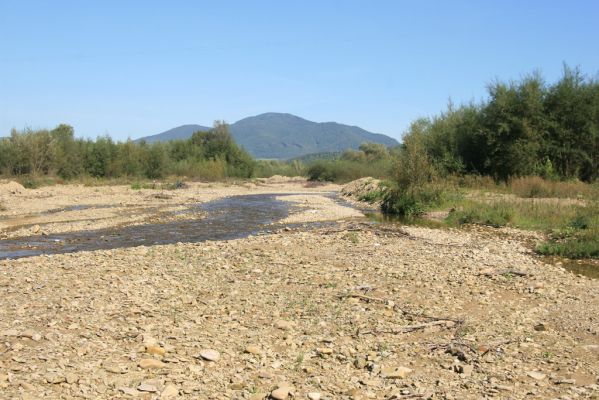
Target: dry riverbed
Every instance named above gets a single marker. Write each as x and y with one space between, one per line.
354 311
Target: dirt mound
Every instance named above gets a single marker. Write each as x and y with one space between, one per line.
11 187
361 188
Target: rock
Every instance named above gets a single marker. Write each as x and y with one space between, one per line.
71 378
280 393
210 355
536 375
31 334
147 387
10 333
55 378
36 229
314 396
169 392
395 372
540 327
150 363
155 349
283 325
129 391
253 350
464 370
258 396
324 351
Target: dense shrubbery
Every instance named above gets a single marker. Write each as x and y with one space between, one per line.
524 128
206 155
372 159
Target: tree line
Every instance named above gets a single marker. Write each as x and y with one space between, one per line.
210 155
525 127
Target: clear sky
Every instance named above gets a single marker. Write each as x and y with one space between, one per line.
134 68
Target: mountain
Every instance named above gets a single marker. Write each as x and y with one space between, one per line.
283 136
180 132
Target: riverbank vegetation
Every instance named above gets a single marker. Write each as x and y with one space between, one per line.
46 154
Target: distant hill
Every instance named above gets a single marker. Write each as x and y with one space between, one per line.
284 136
180 132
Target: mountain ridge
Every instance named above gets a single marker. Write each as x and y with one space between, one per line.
283 135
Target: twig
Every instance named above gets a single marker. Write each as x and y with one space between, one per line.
363 297
409 328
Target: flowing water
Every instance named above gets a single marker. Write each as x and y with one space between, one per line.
227 218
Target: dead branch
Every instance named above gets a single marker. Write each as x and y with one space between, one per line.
412 328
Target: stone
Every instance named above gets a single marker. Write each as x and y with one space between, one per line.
36 229
314 396
55 378
210 355
324 351
155 349
395 372
150 363
465 370
169 392
283 325
258 396
31 334
540 327
536 375
129 391
71 378
147 387
253 350
280 393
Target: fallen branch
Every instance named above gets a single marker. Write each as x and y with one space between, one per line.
411 328
505 272
364 297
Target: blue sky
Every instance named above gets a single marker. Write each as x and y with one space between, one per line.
135 68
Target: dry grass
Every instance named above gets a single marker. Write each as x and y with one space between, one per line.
534 186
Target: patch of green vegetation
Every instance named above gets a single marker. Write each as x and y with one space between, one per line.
34 182
572 242
372 197
495 215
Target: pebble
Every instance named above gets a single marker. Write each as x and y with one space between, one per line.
150 363
210 355
253 350
314 396
169 392
395 372
146 387
55 378
129 391
36 337
324 350
536 375
280 393
154 349
283 325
